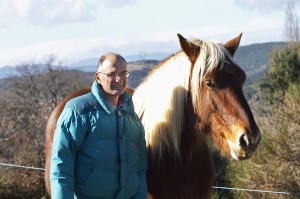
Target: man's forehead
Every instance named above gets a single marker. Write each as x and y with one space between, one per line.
114 63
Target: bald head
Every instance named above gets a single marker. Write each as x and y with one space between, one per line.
112 57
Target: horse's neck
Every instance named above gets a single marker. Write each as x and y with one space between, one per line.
190 134
190 139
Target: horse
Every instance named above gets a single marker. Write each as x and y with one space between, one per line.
191 96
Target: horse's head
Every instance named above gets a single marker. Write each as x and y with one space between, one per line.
216 88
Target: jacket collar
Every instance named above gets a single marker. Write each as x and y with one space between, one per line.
125 101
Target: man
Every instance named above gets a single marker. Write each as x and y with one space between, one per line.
99 148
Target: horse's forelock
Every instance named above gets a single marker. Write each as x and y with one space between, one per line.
211 56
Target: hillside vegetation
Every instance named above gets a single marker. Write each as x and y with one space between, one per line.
254 58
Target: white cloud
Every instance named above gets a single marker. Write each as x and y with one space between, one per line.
263 6
118 3
7 12
53 12
45 12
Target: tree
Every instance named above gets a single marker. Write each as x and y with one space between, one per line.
285 64
291 23
284 70
25 106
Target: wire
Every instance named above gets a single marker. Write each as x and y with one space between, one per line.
24 167
215 187
256 190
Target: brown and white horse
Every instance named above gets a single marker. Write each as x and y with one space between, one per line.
193 93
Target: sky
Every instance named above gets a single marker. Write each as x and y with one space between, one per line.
73 30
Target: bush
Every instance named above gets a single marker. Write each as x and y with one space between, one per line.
275 167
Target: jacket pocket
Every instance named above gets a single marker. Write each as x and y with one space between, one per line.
85 166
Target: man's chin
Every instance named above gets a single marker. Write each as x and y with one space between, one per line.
118 91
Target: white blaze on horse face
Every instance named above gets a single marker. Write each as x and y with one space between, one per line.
237 151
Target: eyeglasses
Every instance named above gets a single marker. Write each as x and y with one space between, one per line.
122 75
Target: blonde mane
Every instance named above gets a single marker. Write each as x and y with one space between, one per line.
161 98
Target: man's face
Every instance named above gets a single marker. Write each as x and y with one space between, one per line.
112 86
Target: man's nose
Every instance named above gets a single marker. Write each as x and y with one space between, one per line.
119 78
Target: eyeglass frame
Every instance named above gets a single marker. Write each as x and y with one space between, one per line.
114 75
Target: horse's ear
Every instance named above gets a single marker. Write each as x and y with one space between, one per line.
233 44
190 49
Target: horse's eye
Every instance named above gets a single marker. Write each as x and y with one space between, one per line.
210 84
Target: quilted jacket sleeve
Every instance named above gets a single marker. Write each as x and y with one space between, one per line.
68 137
142 167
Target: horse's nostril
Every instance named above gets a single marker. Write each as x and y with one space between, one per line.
244 141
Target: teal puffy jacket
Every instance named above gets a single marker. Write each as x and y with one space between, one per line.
99 151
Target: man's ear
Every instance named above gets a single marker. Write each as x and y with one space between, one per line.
97 77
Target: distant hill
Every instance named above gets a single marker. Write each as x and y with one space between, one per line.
7 71
89 65
252 58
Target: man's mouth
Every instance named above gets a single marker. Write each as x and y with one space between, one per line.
118 86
